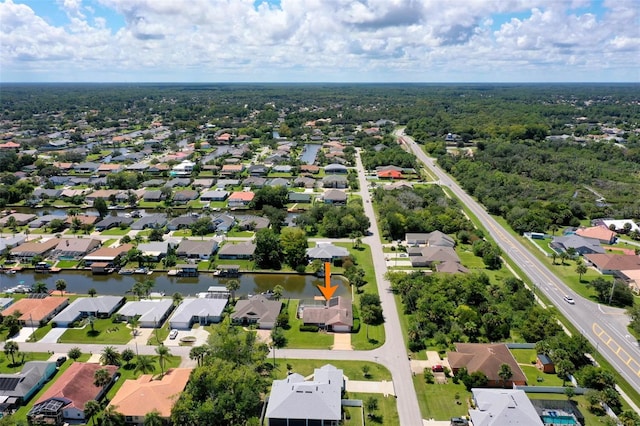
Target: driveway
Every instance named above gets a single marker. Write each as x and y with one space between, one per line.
200 334
23 335
362 386
53 335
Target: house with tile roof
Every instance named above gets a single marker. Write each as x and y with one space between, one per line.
240 199
602 233
610 263
109 255
487 358
74 387
143 395
35 312
294 400
258 310
335 315
498 407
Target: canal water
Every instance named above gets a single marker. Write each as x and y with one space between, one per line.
295 286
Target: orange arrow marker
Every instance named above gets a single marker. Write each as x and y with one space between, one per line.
327 290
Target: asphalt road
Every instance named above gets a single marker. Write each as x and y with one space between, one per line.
603 326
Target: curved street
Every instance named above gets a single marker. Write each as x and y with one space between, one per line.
604 327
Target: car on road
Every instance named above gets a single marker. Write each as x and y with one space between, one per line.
173 334
569 299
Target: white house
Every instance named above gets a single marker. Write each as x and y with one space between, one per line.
185 168
203 311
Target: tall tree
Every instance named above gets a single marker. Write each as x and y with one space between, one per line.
101 377
163 352
153 418
197 353
110 356
294 247
92 292
233 285
127 356
144 364
11 348
101 207
505 373
268 253
74 353
40 287
91 408
581 269
61 286
111 417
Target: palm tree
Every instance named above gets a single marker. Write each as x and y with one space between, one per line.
101 378
133 323
153 419
110 356
92 292
40 287
91 408
11 348
177 298
12 223
233 285
198 353
147 285
163 352
144 364
563 257
581 269
91 319
367 316
111 417
61 286
505 373
127 356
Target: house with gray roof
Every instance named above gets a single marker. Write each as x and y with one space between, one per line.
277 182
326 252
582 245
153 183
44 220
197 249
335 315
223 183
44 194
154 195
497 407
150 313
252 222
16 389
299 197
181 222
215 195
97 307
432 239
335 181
258 310
154 221
202 183
254 182
224 222
185 195
304 182
258 170
427 256
295 401
335 197
11 241
86 167
335 168
203 311
154 250
113 221
243 250
178 182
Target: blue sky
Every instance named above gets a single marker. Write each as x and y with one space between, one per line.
320 40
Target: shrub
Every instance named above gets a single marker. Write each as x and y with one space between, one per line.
312 328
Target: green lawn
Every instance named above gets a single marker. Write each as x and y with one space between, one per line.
438 401
234 233
159 335
244 264
67 264
387 412
105 332
108 242
351 369
353 416
6 366
533 374
304 339
116 231
524 356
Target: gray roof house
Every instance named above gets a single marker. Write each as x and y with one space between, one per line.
112 221
153 183
335 169
215 195
181 222
224 222
335 181
203 311
45 219
426 256
581 245
294 401
252 222
257 310
11 241
155 250
243 250
497 407
304 181
18 388
335 315
223 183
153 195
435 238
150 313
326 252
299 197
157 220
178 182
98 307
334 196
254 182
277 182
197 249
185 195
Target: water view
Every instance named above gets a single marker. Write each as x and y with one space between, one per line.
296 286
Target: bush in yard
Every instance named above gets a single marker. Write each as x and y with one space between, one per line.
312 328
428 376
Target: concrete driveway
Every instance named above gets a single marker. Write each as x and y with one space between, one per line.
53 335
362 386
200 334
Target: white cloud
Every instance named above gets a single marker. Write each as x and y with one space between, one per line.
319 40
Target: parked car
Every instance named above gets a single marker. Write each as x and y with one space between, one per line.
569 300
437 368
173 334
61 361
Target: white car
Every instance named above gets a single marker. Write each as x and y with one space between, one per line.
569 300
173 334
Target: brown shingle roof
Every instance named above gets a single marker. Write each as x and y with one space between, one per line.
487 358
614 262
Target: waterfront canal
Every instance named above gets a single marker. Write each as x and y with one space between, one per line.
295 286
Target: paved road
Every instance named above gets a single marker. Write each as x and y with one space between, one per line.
604 327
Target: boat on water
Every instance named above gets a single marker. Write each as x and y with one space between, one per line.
126 271
143 271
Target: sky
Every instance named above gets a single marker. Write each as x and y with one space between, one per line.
382 41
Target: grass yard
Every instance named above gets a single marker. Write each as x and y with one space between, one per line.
353 416
524 356
439 401
351 369
304 339
533 374
387 412
159 335
67 264
108 242
235 233
116 231
105 332
244 264
6 366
